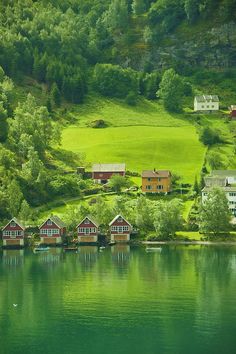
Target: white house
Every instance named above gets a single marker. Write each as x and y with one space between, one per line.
226 180
206 103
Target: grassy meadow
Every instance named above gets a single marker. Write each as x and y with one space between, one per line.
144 137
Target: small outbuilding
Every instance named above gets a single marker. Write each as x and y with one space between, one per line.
52 231
88 230
102 172
13 234
120 229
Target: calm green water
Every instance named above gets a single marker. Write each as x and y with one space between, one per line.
121 300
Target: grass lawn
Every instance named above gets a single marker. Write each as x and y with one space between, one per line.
118 114
140 147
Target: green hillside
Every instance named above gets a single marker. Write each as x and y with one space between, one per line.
135 66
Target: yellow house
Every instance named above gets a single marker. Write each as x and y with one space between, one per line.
156 181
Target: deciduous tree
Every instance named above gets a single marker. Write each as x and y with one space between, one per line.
214 213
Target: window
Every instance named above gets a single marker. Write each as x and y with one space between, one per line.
205 194
148 187
86 221
120 229
120 219
208 106
203 106
49 222
212 106
160 186
13 224
149 179
13 234
232 194
126 228
159 179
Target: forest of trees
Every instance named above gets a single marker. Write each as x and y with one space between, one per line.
71 47
59 41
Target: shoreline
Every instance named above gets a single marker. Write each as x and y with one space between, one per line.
205 243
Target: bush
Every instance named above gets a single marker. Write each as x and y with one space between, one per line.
99 123
209 136
113 81
131 99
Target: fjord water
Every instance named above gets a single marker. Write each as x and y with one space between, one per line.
122 300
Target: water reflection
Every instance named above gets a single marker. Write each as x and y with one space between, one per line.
50 257
87 255
180 300
13 258
120 253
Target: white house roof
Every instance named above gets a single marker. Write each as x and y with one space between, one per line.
207 98
119 216
108 167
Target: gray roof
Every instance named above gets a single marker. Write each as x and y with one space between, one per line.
108 167
226 189
206 98
223 173
215 181
56 220
91 218
156 173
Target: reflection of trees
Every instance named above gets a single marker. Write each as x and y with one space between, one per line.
182 294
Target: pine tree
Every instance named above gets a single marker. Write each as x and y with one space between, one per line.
15 198
3 123
196 186
138 7
55 95
25 211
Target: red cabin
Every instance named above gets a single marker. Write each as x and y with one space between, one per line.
232 110
52 230
88 230
120 229
13 234
102 172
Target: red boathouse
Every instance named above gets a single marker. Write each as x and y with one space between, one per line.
120 229
88 230
13 234
52 230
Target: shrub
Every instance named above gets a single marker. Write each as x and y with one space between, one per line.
131 99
